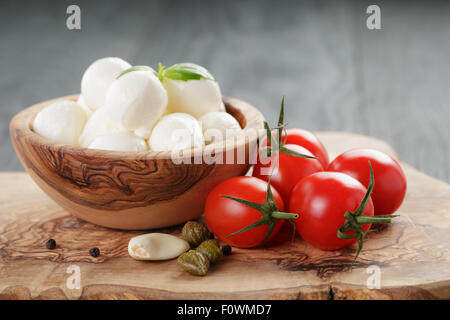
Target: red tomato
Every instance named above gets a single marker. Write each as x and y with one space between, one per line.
321 200
390 181
225 216
308 140
289 170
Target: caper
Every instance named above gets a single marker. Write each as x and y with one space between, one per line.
210 248
194 262
195 233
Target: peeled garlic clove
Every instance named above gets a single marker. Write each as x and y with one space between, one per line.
136 100
119 141
98 77
156 246
218 126
97 125
60 122
176 131
196 97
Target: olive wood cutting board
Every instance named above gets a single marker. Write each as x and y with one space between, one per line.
411 256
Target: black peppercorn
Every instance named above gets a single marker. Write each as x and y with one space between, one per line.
95 252
226 250
50 244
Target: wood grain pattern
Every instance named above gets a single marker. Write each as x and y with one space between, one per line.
413 254
128 190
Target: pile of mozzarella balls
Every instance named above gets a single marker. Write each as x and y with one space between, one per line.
135 109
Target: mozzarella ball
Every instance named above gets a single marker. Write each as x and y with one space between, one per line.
98 124
60 122
119 141
195 97
98 77
136 100
87 110
146 132
143 133
176 131
218 126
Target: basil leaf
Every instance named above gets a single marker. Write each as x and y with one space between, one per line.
186 71
134 68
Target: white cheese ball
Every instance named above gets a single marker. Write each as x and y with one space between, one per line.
87 110
98 124
98 77
136 100
176 131
60 122
195 97
218 126
146 132
143 133
119 141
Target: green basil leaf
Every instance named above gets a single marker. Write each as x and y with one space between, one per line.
186 71
134 68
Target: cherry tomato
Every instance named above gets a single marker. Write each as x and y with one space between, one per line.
321 200
225 216
390 181
307 140
289 170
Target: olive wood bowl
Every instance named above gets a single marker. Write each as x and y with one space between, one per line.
130 190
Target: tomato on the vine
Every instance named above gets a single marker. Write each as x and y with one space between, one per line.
245 211
307 140
321 200
336 210
288 169
390 181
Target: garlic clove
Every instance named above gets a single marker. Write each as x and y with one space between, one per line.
156 246
119 141
60 122
98 77
176 131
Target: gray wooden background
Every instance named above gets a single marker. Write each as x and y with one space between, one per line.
392 84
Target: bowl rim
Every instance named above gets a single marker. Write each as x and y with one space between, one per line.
21 126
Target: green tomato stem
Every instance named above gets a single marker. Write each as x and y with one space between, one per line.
284 215
375 219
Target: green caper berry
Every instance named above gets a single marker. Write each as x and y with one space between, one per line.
210 248
194 262
195 233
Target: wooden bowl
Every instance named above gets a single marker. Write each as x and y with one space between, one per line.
125 190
